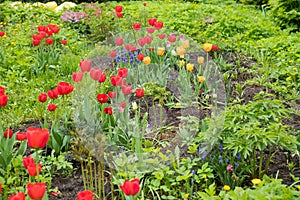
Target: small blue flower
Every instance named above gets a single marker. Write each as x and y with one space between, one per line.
226 160
193 172
236 164
238 155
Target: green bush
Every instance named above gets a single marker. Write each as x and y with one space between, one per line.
254 2
286 13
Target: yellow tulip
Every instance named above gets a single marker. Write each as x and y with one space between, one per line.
200 60
147 60
160 51
180 51
207 47
185 44
51 5
201 79
189 67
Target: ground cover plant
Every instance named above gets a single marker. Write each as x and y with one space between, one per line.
118 100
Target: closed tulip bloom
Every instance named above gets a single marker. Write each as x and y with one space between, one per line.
119 41
161 36
64 42
131 187
3 100
2 90
160 51
111 94
8 133
49 41
108 110
201 79
36 42
207 47
151 21
37 137
51 107
95 73
53 94
136 26
21 136
77 76
102 77
140 57
36 191
85 195
119 8
158 25
102 98
53 28
189 67
27 161
34 169
0 188
139 93
42 97
116 80
200 60
172 38
147 60
119 14
150 30
123 72
17 196
112 54
85 65
2 33
214 47
148 39
126 89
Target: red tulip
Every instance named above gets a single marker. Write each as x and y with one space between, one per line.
2 90
85 65
43 34
2 33
162 36
42 28
123 72
126 89
113 54
148 39
172 38
123 104
27 161
214 47
34 169
102 98
140 57
37 137
64 88
36 191
136 26
102 77
17 196
85 195
150 30
158 25
131 188
127 46
139 93
119 41
119 15
116 80
108 110
49 41
36 42
95 73
141 41
77 76
53 28
42 97
119 8
52 107
144 4
3 100
8 133
37 36
53 94
0 188
64 42
111 94
151 21
21 136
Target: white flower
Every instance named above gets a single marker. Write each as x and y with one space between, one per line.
134 106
